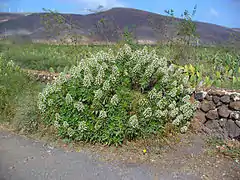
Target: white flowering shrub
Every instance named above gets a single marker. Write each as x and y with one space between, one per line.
111 97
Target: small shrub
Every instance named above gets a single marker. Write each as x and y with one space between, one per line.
112 97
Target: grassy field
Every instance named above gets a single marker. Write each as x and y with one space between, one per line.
217 66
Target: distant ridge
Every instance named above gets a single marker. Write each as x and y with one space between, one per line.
30 24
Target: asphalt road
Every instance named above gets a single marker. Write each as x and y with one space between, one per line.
25 159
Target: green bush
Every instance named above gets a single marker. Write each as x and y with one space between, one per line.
112 97
18 94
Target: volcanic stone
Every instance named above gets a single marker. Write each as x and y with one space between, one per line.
216 93
200 96
216 99
212 114
208 97
219 104
237 123
235 115
233 129
223 111
222 122
235 105
225 99
207 105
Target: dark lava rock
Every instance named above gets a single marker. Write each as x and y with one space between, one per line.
223 111
216 99
200 116
219 104
216 93
207 105
212 114
212 124
200 96
237 123
208 97
215 128
233 129
235 115
222 122
225 99
235 105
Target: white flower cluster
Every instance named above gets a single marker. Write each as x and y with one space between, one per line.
162 103
57 117
82 126
147 113
100 76
79 106
186 99
153 94
114 100
185 128
142 102
187 110
173 113
178 120
173 105
161 114
173 92
102 114
65 124
10 64
98 94
70 132
68 98
133 121
88 78
50 102
106 85
126 50
115 74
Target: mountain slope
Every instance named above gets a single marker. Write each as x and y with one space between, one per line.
8 16
148 26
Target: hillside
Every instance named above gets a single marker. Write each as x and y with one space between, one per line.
149 26
236 29
9 16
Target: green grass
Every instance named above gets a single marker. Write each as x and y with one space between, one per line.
18 96
207 60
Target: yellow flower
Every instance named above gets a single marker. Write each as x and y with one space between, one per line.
144 151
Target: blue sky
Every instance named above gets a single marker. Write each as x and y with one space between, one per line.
222 12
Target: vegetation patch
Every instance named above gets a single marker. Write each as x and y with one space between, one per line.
229 148
112 97
18 94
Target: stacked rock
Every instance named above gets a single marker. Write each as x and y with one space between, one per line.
221 111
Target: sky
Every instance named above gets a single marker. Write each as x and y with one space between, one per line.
221 12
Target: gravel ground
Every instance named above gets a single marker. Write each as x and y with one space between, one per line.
25 159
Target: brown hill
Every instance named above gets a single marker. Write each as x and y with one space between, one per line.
8 16
148 26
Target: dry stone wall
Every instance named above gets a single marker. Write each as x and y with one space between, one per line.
220 112
43 76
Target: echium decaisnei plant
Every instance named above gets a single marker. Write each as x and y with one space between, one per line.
112 97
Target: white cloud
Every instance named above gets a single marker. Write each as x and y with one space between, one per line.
95 3
214 12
